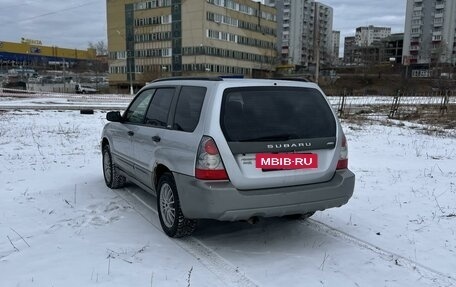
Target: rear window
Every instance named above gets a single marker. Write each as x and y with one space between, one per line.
275 114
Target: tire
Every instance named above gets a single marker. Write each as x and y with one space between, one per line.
300 216
110 172
172 220
86 112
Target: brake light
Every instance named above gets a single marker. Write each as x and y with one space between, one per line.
210 147
209 165
343 157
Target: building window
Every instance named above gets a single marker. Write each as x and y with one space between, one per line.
233 5
166 19
152 4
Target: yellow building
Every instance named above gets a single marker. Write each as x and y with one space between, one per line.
157 38
32 52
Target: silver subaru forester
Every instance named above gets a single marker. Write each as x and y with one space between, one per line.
229 149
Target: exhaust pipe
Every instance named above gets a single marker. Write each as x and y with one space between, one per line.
253 220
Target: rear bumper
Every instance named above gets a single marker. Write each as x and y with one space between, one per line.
220 200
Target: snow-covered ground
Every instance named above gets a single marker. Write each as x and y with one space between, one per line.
61 226
55 101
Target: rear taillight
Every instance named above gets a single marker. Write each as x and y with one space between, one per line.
343 157
209 165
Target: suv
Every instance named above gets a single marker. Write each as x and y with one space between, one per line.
229 149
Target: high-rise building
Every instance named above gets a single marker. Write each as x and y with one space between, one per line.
387 50
304 26
430 32
365 36
391 48
349 49
148 39
336 43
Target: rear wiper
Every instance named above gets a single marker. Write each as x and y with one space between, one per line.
278 137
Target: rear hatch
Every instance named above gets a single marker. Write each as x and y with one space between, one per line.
272 131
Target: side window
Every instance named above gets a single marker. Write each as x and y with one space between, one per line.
135 114
157 115
188 108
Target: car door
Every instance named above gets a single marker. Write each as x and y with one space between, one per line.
150 138
123 133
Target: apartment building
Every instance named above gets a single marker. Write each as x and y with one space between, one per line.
429 35
157 38
386 50
335 44
304 27
392 48
367 35
349 49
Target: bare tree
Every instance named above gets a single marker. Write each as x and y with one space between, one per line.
100 47
440 60
151 73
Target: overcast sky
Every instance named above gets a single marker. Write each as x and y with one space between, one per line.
349 14
63 23
74 23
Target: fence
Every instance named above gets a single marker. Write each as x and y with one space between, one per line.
401 106
71 97
23 99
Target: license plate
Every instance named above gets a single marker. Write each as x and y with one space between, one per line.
267 161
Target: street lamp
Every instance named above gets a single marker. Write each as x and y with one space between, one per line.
128 65
129 73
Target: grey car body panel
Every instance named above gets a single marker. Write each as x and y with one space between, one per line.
220 200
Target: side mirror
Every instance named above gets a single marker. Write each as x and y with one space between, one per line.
114 117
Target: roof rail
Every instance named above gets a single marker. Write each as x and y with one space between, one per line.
291 79
188 78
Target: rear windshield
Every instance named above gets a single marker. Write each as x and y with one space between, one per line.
275 114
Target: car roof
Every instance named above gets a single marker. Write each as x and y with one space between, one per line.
232 82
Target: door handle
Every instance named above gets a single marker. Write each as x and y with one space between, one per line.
130 133
156 139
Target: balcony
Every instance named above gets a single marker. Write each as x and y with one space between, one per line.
437 38
414 48
415 34
418 8
438 15
438 22
439 6
437 33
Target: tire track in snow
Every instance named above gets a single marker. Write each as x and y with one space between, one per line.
216 264
442 279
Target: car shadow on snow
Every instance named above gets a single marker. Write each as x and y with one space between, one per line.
282 232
